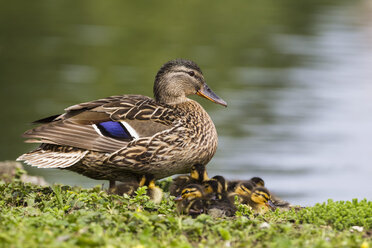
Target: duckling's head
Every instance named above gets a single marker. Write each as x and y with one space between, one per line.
262 197
258 181
179 78
212 186
190 192
199 173
222 181
243 189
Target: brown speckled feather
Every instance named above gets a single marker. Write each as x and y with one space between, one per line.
174 150
120 137
161 149
74 128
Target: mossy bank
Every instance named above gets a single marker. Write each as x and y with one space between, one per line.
63 216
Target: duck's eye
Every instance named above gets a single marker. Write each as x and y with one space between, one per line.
191 73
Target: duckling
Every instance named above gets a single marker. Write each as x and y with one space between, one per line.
128 188
258 181
154 192
249 184
212 189
260 200
243 191
192 200
222 181
279 203
219 204
197 175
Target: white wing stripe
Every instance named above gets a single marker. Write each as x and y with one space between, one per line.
130 129
97 129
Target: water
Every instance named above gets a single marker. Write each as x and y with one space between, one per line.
296 76
318 144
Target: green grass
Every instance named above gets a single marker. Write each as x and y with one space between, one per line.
63 216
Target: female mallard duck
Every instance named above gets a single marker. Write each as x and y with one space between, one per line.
154 192
197 175
121 137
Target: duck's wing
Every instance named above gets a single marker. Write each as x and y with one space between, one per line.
105 125
81 107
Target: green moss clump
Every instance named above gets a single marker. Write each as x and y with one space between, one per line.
64 216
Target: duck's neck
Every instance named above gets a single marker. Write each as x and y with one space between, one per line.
172 100
168 91
189 105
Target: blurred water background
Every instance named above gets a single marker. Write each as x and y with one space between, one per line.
297 76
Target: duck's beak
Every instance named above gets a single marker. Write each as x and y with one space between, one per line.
271 205
178 198
206 92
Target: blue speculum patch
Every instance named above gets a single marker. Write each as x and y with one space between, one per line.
114 129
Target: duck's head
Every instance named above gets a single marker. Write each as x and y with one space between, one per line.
190 192
199 172
258 181
243 189
222 181
262 197
179 78
212 186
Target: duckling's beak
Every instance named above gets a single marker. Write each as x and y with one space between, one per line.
178 198
206 92
271 205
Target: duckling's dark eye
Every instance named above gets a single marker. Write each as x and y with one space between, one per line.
191 73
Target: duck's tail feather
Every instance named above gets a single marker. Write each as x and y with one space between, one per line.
52 159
